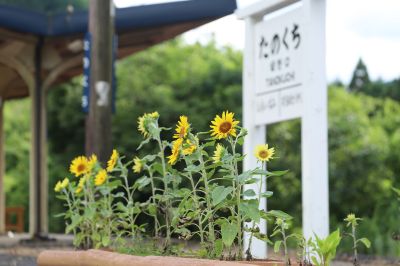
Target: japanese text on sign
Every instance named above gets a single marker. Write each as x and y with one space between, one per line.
279 73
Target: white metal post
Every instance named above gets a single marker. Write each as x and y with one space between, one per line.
257 134
314 126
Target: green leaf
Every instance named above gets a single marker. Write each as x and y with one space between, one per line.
397 191
277 173
280 214
365 241
142 182
244 176
158 168
250 209
252 181
267 194
277 245
315 261
61 197
149 158
263 237
219 247
193 168
152 208
114 184
105 241
228 233
249 193
220 193
209 143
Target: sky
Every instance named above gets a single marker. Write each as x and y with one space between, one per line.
367 29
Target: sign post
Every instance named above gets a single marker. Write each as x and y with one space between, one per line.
283 79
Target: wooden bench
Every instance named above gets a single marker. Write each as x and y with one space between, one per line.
15 219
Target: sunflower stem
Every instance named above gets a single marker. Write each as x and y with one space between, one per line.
211 234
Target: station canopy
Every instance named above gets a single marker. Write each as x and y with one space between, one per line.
61 36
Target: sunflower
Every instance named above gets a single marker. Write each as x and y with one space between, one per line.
57 187
113 160
143 122
218 153
142 127
182 128
79 166
92 162
137 165
351 219
176 146
100 178
154 115
81 184
263 153
190 147
64 183
224 126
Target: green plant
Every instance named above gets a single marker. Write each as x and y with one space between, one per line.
281 227
325 248
304 248
211 205
396 235
352 221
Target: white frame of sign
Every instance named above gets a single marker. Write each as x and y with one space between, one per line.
312 109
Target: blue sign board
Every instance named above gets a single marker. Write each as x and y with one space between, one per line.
86 72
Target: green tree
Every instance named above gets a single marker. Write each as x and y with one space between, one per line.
360 78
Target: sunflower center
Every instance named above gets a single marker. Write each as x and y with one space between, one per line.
81 168
225 127
182 132
263 154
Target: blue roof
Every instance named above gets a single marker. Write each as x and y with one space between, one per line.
62 24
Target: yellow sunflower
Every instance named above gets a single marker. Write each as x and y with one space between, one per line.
154 115
218 153
190 147
176 146
263 153
81 184
64 183
137 165
142 127
92 162
143 120
113 160
182 128
100 178
79 166
57 187
224 126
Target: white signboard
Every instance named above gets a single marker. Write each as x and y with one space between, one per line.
284 78
279 73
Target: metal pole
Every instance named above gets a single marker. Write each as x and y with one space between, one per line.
98 121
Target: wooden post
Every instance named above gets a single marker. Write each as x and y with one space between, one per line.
38 208
2 171
98 121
